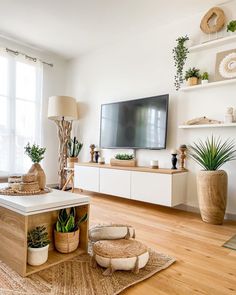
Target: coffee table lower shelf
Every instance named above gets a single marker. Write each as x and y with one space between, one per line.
54 258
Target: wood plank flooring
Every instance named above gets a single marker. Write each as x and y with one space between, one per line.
202 267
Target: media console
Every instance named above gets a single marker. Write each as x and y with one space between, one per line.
158 186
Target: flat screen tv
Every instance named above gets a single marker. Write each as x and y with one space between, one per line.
136 124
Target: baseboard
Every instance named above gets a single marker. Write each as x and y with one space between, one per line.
228 216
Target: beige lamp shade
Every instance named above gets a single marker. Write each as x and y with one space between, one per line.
62 106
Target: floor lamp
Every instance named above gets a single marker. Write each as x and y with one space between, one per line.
63 111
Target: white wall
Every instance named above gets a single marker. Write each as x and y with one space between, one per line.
53 84
142 66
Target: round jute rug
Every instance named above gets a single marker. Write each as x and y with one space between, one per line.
77 277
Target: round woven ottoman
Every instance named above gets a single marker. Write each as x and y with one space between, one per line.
120 255
111 232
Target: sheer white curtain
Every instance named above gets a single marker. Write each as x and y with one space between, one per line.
20 111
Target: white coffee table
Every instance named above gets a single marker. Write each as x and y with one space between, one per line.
18 214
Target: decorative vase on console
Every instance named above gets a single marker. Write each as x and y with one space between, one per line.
36 154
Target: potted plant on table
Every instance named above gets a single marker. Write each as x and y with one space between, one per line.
38 244
211 182
192 75
123 160
67 230
73 149
205 78
36 154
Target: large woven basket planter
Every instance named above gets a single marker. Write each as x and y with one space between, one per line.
212 195
66 242
120 255
111 232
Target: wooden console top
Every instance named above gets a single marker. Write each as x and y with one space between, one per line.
137 168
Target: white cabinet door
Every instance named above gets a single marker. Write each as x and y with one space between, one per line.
151 187
115 182
87 178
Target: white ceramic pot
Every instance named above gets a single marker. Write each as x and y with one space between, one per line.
37 256
205 81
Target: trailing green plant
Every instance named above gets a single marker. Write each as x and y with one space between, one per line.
74 147
212 153
124 157
192 72
68 222
231 26
38 237
35 152
205 76
180 53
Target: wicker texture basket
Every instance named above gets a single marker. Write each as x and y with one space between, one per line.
29 177
29 187
66 242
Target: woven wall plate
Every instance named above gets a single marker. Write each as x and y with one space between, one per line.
206 25
225 65
10 192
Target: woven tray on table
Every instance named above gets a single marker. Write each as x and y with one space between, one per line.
11 192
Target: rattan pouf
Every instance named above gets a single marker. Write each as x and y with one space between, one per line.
111 232
120 255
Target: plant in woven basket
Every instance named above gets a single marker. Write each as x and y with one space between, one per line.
192 72
38 237
212 183
66 222
213 153
231 27
74 147
124 157
35 152
180 53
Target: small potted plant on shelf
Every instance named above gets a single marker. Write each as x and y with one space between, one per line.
180 53
38 244
67 230
205 78
36 154
231 27
192 75
123 160
212 183
73 149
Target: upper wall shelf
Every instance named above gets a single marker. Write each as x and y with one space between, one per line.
213 43
207 126
208 85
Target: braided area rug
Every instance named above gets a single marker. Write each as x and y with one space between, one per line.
76 277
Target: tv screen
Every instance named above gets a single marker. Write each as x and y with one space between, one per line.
137 124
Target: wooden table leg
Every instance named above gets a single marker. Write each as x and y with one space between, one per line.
68 181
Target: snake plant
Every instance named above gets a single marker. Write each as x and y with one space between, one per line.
74 147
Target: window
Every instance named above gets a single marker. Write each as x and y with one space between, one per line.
20 111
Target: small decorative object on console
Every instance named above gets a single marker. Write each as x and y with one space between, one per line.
229 115
183 149
38 244
154 164
101 160
96 150
92 147
123 160
174 159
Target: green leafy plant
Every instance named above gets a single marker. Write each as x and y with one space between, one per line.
74 147
35 152
231 27
66 222
205 76
124 157
213 153
180 53
38 237
192 72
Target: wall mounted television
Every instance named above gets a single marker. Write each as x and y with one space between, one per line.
135 124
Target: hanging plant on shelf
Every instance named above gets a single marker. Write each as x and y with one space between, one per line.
180 53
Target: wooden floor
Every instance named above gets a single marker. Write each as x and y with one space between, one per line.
202 267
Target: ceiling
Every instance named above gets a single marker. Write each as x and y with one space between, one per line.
73 27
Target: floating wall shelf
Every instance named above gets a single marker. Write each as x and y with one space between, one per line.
208 85
213 43
207 126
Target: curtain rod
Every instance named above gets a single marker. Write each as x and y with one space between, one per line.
34 59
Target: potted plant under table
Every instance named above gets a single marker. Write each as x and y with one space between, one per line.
67 230
38 244
212 182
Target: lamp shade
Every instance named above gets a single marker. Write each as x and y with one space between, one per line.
62 107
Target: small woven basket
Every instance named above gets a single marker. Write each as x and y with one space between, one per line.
29 177
66 242
29 187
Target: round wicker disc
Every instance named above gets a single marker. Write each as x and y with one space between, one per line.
10 192
220 20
